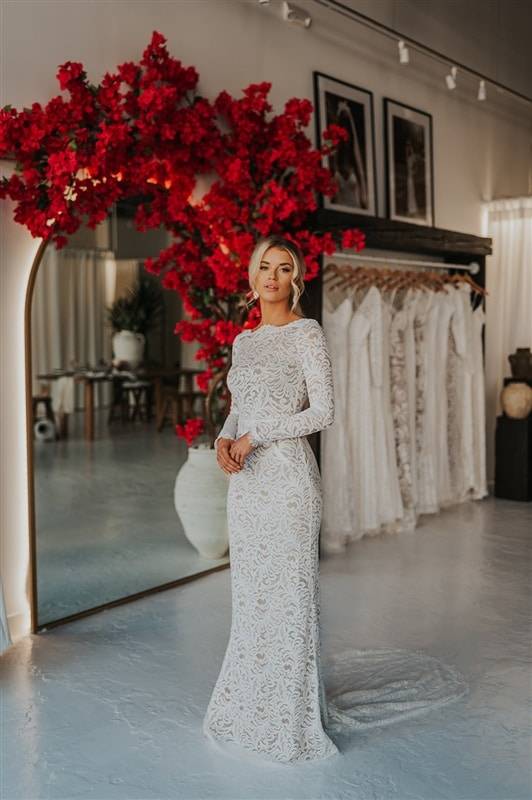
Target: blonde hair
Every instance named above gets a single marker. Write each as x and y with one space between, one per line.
298 261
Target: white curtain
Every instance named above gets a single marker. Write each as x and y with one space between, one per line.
68 314
509 300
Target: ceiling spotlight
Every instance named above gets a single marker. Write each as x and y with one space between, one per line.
481 90
295 15
264 2
404 58
450 79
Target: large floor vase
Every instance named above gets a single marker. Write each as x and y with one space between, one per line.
200 499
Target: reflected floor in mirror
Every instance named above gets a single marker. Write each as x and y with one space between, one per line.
106 526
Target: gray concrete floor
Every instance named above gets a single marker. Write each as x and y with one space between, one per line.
106 526
111 706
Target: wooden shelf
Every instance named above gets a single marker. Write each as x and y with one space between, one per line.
387 234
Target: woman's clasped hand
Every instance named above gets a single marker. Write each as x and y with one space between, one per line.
231 453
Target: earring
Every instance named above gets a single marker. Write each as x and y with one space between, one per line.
255 294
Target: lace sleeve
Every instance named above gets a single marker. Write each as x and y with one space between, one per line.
230 425
317 369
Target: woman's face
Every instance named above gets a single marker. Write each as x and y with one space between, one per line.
274 278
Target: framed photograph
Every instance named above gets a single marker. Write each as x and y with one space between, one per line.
353 163
409 163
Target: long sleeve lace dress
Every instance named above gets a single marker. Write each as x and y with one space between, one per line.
269 694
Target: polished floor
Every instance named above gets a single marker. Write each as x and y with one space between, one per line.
105 521
111 706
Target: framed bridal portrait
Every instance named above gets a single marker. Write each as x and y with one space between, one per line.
409 163
353 162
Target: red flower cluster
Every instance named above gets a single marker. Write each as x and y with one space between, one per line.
217 175
192 428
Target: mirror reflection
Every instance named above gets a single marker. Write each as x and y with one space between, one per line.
110 381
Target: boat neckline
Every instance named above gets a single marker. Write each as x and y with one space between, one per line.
272 325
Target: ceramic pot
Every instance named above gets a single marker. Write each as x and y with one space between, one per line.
200 499
516 400
129 346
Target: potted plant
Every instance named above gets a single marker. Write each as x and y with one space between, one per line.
131 318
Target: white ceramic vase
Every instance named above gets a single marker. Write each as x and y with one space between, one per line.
516 400
200 499
129 346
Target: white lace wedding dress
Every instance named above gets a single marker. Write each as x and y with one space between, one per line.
269 699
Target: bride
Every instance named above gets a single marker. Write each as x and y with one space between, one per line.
269 695
269 699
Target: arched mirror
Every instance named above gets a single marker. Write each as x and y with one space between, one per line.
108 382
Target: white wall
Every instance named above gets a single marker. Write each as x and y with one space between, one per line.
482 151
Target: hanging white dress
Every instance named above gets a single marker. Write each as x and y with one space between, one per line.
386 488
360 427
440 429
460 399
269 696
468 448
424 327
480 488
401 416
395 498
336 469
409 305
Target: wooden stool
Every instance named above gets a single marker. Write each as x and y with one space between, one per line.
141 394
119 401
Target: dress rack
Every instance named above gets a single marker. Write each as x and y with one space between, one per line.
389 236
473 267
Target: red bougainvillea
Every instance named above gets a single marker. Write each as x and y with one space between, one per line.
216 174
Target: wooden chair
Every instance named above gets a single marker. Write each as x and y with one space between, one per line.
141 394
180 401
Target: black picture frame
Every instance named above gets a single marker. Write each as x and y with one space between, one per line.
409 163
354 163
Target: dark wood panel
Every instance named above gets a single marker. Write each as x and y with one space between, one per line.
387 234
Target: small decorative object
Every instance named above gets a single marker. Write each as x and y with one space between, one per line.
521 364
353 163
44 430
409 167
200 497
516 400
128 348
132 317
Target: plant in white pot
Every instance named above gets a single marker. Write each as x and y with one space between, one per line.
131 317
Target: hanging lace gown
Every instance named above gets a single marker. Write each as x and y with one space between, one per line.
360 428
480 488
269 700
395 496
459 391
425 332
440 430
386 483
401 416
337 525
409 306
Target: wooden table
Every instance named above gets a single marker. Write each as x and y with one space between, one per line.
154 374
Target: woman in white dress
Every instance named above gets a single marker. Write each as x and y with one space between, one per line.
269 696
